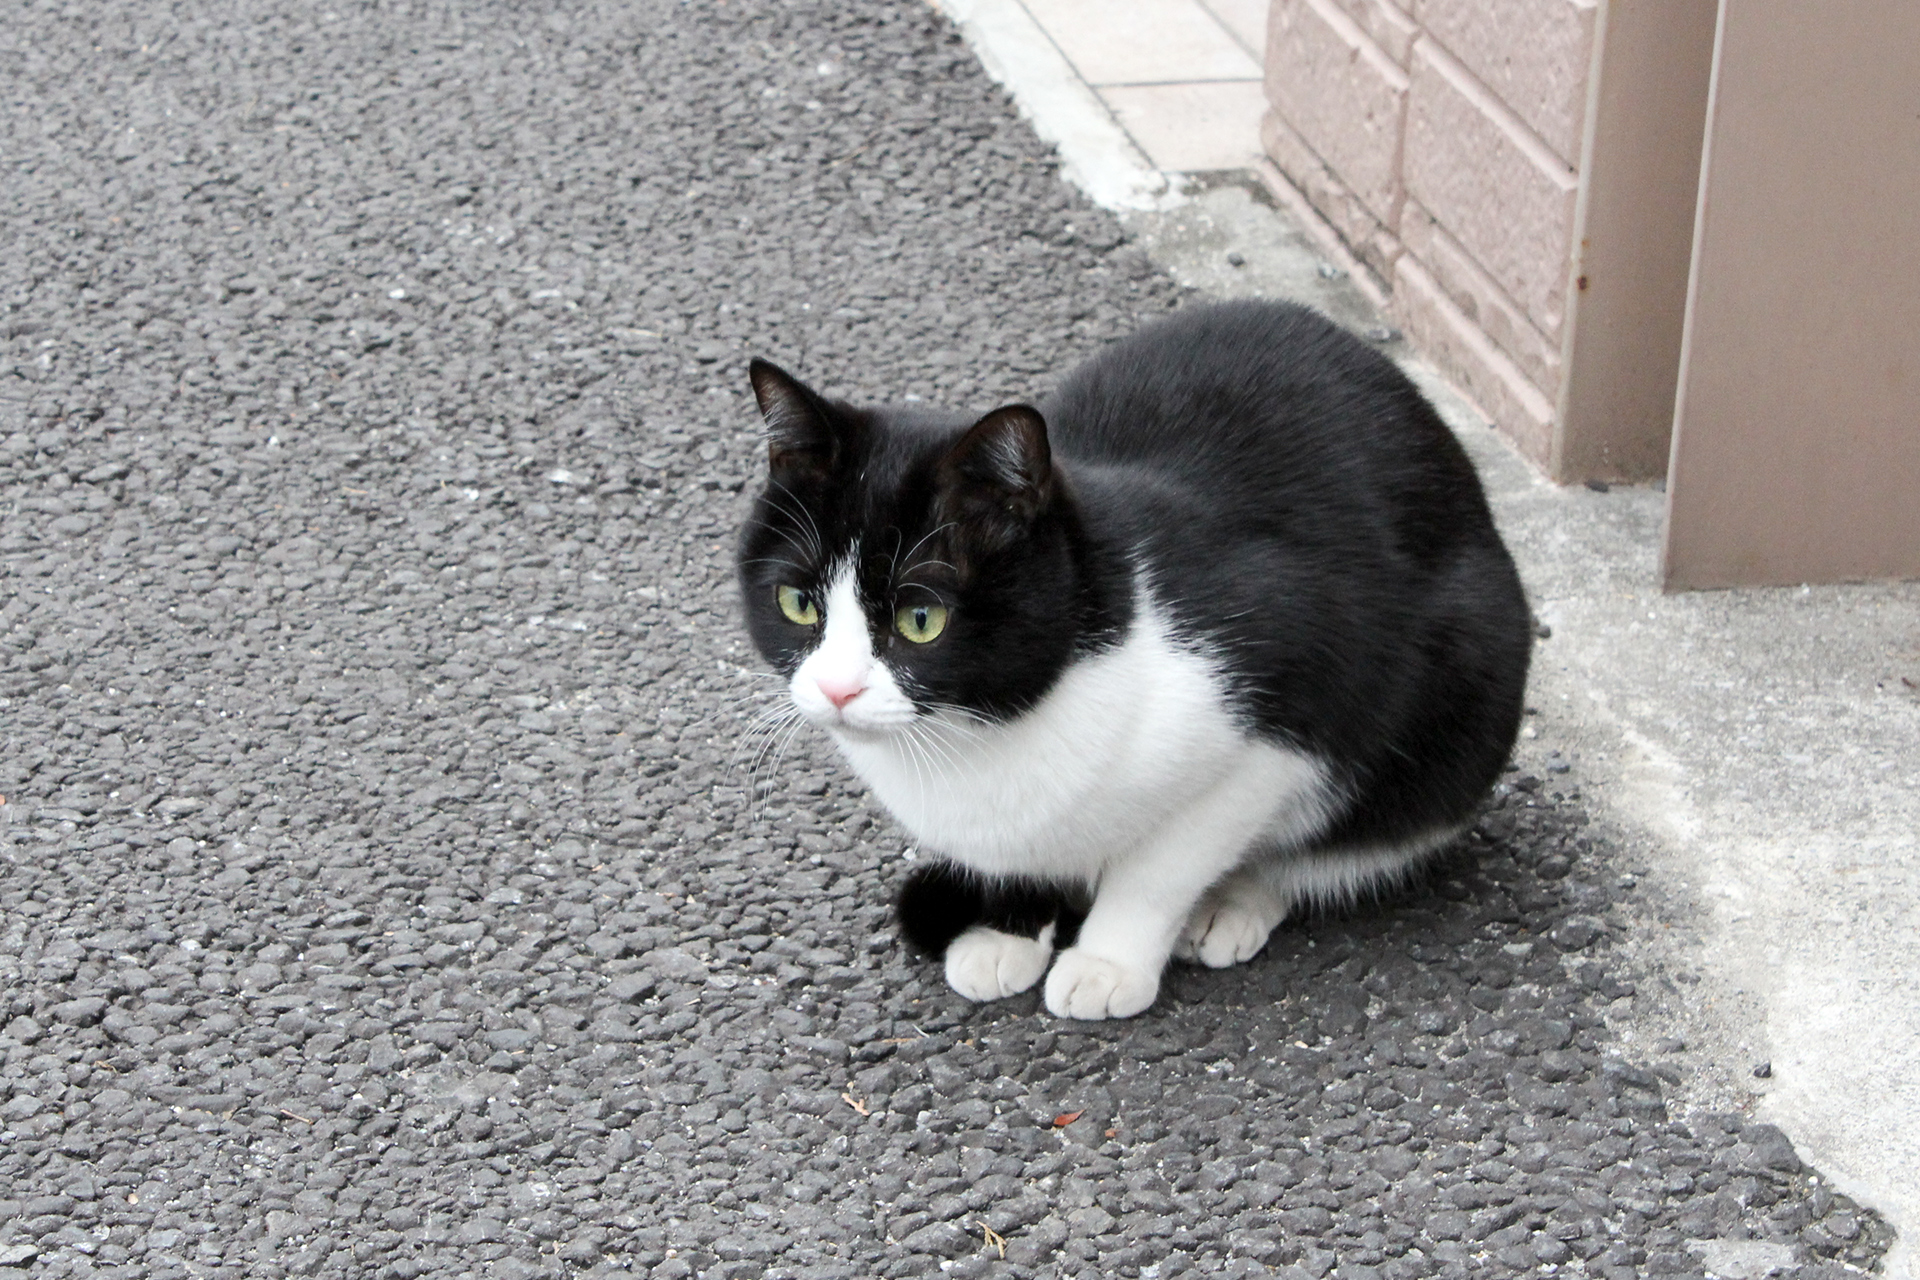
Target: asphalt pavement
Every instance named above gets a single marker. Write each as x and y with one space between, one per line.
394 883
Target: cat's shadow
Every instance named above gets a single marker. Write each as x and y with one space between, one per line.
1465 936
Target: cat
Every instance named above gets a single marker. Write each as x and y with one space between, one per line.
1220 628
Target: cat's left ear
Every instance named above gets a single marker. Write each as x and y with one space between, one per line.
798 434
1000 473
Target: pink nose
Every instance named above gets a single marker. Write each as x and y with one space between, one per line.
841 692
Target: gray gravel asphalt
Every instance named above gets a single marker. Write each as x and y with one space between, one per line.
382 893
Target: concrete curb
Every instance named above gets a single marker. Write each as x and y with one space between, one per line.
1096 154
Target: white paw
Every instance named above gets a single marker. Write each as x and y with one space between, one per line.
1088 987
986 964
1219 934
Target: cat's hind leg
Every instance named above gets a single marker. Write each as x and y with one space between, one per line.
1235 918
1233 921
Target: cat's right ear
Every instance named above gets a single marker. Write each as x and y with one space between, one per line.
799 438
999 476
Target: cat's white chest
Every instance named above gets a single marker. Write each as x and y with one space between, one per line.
1125 740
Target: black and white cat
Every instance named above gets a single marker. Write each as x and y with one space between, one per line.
1222 627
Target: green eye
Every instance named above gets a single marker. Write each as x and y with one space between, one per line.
920 623
797 605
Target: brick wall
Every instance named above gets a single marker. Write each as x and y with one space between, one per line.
1435 145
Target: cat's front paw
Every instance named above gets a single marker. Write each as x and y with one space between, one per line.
1219 934
1089 987
986 964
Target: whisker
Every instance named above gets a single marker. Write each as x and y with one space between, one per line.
812 553
765 764
756 690
819 543
747 716
758 734
968 723
734 705
810 548
770 717
786 741
915 755
949 765
924 733
932 533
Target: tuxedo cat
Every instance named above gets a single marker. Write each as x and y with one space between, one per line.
1223 626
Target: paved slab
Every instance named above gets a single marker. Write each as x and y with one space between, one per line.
388 888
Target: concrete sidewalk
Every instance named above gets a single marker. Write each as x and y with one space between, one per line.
1757 752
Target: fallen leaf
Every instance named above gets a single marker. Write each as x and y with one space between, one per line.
1066 1118
1113 1133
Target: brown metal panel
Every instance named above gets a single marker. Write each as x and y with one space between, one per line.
1640 178
1796 451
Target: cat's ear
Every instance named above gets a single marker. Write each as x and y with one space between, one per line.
999 476
799 437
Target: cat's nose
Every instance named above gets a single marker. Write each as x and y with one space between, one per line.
841 692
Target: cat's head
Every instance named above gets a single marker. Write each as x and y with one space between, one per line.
902 562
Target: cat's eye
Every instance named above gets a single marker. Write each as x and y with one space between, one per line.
797 605
920 623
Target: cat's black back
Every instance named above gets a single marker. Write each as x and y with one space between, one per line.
1299 507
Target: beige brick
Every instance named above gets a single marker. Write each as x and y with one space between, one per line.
1474 292
1535 55
1325 238
1345 214
1342 95
1483 175
1387 24
1441 332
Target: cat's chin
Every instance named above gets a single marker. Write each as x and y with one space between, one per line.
866 735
